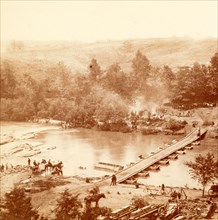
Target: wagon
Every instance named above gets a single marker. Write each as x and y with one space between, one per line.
213 191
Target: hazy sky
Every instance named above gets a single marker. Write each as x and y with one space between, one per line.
106 20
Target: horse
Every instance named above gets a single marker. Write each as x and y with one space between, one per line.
59 165
56 168
48 166
93 198
35 169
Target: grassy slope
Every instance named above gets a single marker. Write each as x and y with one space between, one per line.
173 52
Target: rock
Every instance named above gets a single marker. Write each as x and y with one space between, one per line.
27 189
26 181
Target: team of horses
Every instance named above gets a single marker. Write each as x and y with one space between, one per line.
47 167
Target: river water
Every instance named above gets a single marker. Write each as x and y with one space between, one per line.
82 147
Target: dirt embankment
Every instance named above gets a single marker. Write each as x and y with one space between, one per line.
45 190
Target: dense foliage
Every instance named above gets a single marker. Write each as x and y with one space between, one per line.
18 206
46 90
68 207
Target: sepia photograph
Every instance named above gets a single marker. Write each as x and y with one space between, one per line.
109 110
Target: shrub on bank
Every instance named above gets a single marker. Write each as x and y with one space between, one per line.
174 125
139 202
115 126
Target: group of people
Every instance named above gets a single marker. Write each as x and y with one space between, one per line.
36 164
174 194
5 167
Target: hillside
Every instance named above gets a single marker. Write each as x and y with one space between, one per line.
171 51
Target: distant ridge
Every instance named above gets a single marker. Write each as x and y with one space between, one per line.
174 52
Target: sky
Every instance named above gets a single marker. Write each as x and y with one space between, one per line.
107 20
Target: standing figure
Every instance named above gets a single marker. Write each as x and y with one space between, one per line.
199 132
113 180
163 187
34 163
179 195
2 168
29 161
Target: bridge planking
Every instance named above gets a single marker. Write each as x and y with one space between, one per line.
151 160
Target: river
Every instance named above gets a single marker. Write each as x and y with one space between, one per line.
87 147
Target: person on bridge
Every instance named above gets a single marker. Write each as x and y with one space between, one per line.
113 180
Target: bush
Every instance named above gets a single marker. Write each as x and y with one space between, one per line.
139 201
175 125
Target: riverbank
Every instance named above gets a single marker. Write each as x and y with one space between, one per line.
45 190
13 131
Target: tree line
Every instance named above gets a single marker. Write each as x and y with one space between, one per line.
54 91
